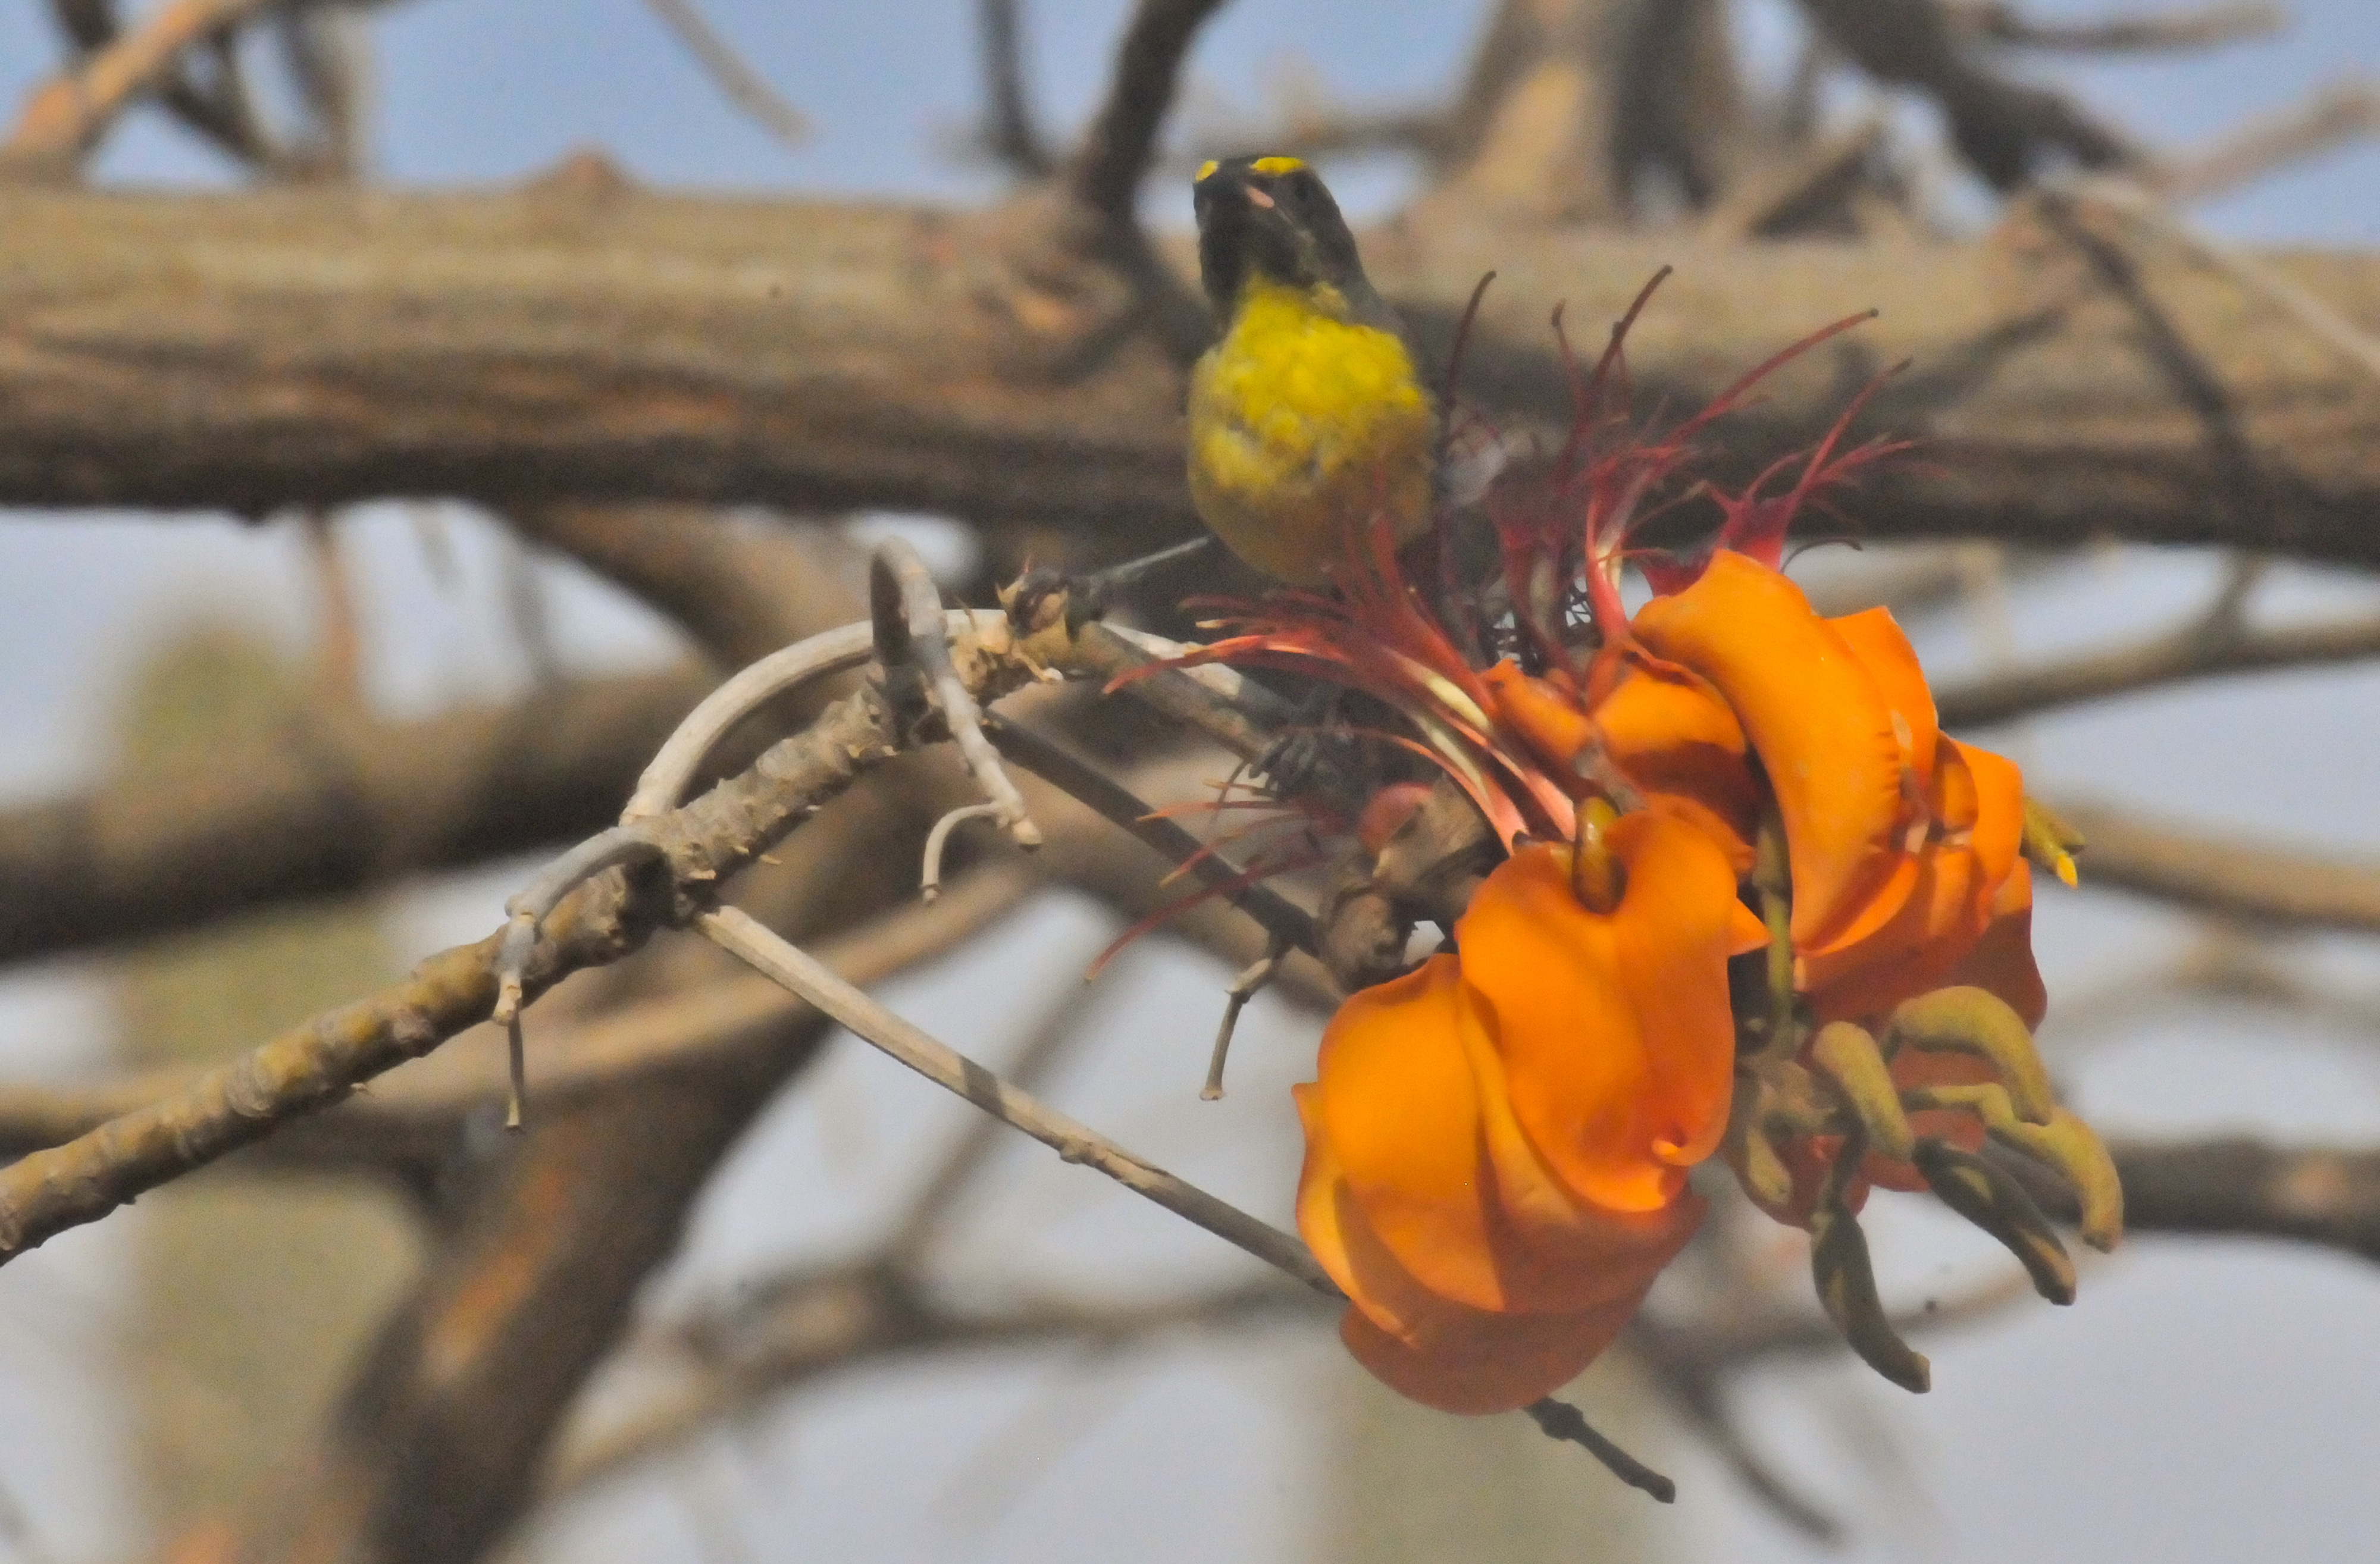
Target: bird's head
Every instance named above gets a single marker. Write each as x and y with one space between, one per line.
1272 217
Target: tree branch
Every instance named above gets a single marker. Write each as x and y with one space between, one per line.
2004 129
1997 21
741 86
2252 883
316 346
2251 1189
65 117
1105 174
2197 650
326 811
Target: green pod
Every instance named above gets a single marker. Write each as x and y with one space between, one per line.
1977 1022
1749 1151
1848 1056
1992 1200
2069 1145
1846 1283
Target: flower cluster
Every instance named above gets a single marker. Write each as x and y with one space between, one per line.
1753 902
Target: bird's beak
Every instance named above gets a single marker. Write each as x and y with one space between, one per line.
1257 197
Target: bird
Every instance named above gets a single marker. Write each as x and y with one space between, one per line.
1307 418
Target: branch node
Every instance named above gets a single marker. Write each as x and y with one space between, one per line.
1559 1420
910 631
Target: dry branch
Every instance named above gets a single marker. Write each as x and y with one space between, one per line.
317 1063
326 810
791 1330
258 351
2006 130
1105 175
743 86
2246 1188
63 118
1997 21
2197 650
2347 111
2221 875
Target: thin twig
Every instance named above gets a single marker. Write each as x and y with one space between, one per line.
1244 987
2200 648
739 934
899 579
2345 112
65 116
1995 21
1283 919
1106 173
2252 883
930 878
744 87
2316 318
1010 132
317 1064
839 650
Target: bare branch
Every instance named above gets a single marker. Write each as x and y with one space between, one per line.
2312 313
954 1072
326 810
63 118
1105 174
1998 22
1292 924
2245 1188
2006 130
793 1331
2345 112
743 86
2220 875
2197 650
317 1063
1010 134
802 356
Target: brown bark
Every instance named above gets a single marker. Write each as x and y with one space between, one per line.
318 810
258 351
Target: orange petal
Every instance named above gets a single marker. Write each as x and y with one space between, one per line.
1978 798
1500 1363
1614 1030
1566 1254
1876 640
1394 1112
1997 830
1670 732
1475 1361
2003 959
1551 723
1816 717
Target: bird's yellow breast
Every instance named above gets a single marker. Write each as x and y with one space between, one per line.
1303 425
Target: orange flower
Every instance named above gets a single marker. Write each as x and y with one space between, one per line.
1497 1142
1903 843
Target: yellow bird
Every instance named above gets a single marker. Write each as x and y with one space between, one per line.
1307 418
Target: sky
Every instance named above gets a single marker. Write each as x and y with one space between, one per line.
2201 1402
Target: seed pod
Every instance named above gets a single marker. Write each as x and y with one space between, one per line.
1846 1282
1992 1200
1974 1020
1848 1056
2068 1145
